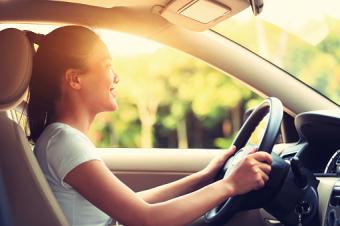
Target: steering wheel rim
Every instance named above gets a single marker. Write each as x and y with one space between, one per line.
273 107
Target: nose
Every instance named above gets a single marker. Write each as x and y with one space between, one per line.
115 78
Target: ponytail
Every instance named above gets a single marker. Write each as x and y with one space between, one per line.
43 92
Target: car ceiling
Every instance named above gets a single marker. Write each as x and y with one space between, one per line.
62 12
115 3
185 13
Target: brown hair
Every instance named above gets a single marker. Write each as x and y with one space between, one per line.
63 48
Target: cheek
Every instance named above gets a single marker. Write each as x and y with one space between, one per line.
100 91
95 82
97 93
90 88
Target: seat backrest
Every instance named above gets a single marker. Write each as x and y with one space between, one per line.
5 215
30 198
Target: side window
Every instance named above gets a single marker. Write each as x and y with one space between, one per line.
168 99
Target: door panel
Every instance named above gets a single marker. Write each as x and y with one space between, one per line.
146 168
157 160
141 169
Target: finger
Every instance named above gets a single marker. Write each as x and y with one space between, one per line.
262 156
265 168
264 176
233 147
258 187
252 150
260 182
229 152
262 179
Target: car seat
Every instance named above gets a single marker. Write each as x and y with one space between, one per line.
31 201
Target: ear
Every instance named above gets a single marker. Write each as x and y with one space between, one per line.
73 78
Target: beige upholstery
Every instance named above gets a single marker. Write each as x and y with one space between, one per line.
15 65
30 198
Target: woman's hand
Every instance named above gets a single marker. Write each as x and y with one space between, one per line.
211 170
250 174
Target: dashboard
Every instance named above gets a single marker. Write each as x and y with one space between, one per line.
318 151
319 146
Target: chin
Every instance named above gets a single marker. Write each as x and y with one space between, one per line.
108 106
113 106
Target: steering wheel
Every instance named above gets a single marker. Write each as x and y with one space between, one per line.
254 199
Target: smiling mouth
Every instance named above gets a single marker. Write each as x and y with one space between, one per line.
112 91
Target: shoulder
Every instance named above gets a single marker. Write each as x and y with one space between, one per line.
64 132
63 141
60 134
66 148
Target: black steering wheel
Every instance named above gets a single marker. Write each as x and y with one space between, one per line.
254 199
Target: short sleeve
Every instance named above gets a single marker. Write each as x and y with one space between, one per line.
66 150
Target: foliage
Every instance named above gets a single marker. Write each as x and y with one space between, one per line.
169 93
169 99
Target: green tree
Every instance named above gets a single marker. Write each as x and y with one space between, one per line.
182 87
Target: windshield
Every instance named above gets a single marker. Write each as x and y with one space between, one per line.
300 36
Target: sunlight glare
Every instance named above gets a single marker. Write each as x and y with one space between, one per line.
39 28
119 44
122 44
309 25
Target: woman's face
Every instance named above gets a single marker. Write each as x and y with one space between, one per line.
99 81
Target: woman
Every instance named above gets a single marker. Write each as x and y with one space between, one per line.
72 81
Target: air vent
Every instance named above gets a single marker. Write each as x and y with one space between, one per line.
335 197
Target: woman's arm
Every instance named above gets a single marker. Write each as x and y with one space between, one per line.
95 182
189 183
174 189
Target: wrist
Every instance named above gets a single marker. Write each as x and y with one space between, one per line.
230 186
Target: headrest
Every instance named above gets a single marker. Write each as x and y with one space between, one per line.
16 60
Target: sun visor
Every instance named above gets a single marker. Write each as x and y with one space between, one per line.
200 15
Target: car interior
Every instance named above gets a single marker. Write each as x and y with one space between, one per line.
304 187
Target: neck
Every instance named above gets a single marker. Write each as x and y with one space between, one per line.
75 115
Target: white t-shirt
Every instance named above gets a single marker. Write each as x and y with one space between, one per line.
59 149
